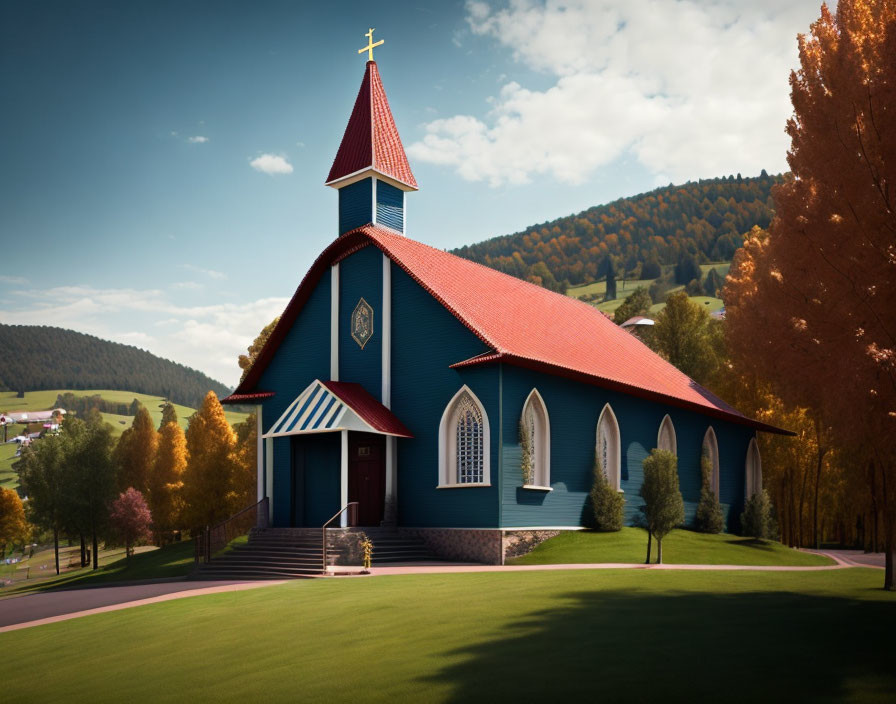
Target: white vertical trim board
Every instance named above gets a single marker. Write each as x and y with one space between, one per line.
387 333
334 322
269 475
259 454
391 484
373 200
404 214
343 477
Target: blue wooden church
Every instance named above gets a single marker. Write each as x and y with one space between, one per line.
399 376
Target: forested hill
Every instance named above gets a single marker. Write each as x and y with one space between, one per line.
706 219
34 358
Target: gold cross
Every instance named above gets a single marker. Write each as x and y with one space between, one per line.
370 45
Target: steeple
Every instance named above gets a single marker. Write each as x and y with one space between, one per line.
371 170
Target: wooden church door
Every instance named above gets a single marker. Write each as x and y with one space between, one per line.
367 476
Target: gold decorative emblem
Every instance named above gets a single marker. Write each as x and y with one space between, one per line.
362 323
370 45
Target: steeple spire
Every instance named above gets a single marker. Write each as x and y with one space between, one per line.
371 142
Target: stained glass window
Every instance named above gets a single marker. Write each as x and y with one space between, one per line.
469 436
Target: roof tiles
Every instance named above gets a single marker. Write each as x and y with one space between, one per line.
371 138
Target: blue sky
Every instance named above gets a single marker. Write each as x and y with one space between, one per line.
130 207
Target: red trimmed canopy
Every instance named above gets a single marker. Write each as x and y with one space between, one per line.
371 138
520 323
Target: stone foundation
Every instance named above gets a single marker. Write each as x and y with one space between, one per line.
488 546
518 542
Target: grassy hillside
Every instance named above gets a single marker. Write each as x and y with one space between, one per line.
39 357
46 400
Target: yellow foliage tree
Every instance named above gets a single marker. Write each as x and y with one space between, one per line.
245 457
166 483
209 491
13 526
135 453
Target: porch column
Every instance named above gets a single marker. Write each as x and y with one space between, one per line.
343 478
269 476
390 513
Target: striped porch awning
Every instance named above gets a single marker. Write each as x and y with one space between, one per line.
330 406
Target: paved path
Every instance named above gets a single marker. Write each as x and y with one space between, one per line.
49 607
854 558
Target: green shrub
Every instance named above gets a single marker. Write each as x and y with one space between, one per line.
663 506
607 502
756 520
709 518
528 471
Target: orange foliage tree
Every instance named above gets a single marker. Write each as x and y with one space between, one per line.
167 480
135 452
812 307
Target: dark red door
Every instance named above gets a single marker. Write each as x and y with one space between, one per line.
367 476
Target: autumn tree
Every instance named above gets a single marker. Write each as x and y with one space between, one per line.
245 456
136 452
209 491
14 528
247 360
663 505
166 481
169 414
686 337
812 307
708 518
130 519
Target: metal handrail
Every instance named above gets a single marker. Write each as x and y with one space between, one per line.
217 536
352 507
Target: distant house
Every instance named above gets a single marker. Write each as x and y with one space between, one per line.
400 376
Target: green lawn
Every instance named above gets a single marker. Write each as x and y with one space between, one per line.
680 547
174 560
614 635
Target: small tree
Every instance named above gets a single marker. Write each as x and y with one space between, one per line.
756 520
13 526
638 303
663 506
709 518
607 502
526 466
130 519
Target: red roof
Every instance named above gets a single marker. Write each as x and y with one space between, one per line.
520 323
371 138
371 411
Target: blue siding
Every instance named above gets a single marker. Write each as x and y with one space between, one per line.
304 355
355 205
361 276
574 410
426 339
321 460
389 206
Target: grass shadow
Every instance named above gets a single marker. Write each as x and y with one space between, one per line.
630 646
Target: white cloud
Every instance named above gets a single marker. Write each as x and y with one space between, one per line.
198 139
271 164
209 337
188 285
14 280
210 273
690 89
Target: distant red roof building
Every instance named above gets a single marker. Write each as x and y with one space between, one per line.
371 140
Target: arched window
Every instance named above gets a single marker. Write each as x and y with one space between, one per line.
665 439
753 469
609 447
464 442
535 420
711 450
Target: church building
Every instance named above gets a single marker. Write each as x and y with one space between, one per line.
401 377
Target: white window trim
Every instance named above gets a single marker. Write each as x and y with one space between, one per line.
447 470
543 478
618 445
659 434
712 440
752 488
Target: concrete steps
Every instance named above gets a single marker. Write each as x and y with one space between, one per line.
295 553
